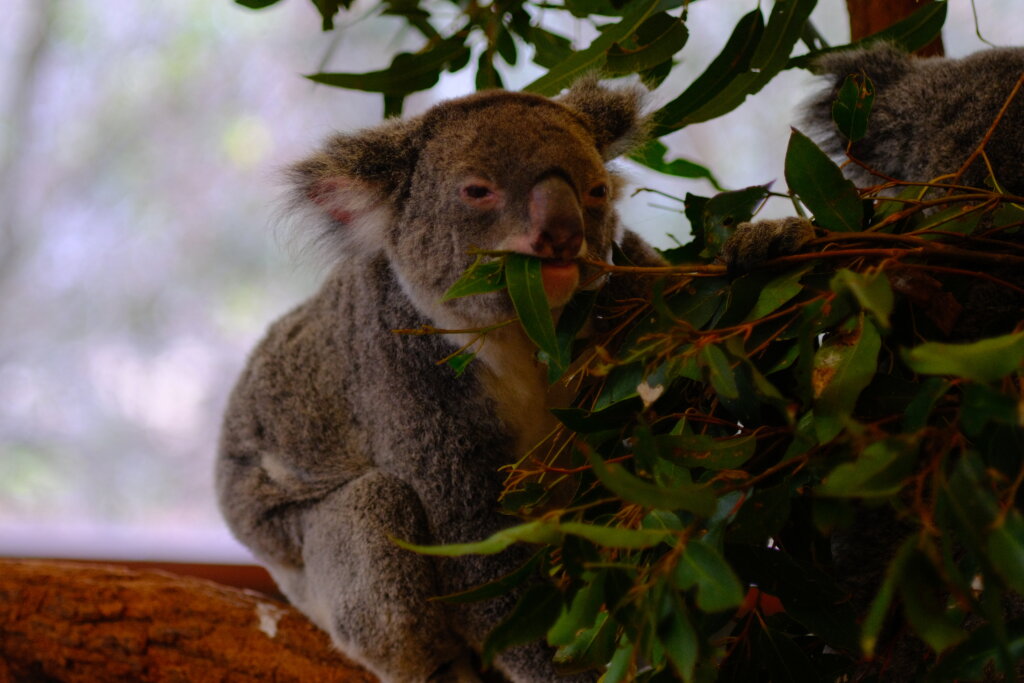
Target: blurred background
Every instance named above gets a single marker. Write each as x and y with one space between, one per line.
140 150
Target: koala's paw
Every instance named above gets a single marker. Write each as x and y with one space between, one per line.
754 243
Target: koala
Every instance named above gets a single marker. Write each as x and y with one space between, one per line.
341 435
928 117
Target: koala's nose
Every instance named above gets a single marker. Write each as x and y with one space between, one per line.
556 220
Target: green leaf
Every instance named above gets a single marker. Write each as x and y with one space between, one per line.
537 609
776 292
679 638
912 33
821 186
485 275
655 42
924 603
460 362
916 415
733 60
1006 549
843 367
615 537
581 614
652 155
966 662
723 212
774 46
987 360
701 450
619 667
693 498
878 471
717 586
875 618
852 107
591 647
328 8
408 72
499 586
256 4
720 372
525 284
544 533
593 58
871 290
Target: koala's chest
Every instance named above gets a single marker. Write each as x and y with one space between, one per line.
516 384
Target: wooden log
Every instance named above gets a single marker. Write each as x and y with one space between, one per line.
871 16
62 621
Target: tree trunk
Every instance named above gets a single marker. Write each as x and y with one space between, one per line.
74 622
871 16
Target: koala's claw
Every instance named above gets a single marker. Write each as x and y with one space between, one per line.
755 243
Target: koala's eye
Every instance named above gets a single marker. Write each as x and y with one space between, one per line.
476 191
480 194
599 191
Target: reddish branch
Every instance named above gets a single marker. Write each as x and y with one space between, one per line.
91 624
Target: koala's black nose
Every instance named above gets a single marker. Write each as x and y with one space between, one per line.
556 221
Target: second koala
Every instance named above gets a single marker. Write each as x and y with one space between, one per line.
341 435
929 116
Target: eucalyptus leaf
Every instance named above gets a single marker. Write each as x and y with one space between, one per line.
769 56
652 155
593 58
912 33
878 471
820 184
871 290
654 42
485 275
717 586
525 283
731 62
982 361
852 107
843 367
408 72
693 498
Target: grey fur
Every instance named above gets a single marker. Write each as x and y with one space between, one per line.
341 434
929 115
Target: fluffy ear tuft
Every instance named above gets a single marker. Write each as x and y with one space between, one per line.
883 62
348 187
614 116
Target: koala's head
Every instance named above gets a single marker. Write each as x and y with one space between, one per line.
492 171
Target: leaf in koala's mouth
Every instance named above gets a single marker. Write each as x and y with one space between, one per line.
527 288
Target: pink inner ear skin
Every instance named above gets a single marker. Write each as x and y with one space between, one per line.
324 193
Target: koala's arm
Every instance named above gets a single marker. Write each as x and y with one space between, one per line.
754 243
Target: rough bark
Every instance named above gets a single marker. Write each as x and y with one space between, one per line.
74 622
871 16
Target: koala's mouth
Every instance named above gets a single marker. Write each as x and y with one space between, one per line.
561 277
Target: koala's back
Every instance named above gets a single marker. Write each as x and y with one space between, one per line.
930 114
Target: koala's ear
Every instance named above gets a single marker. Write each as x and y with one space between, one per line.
348 188
883 62
614 116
